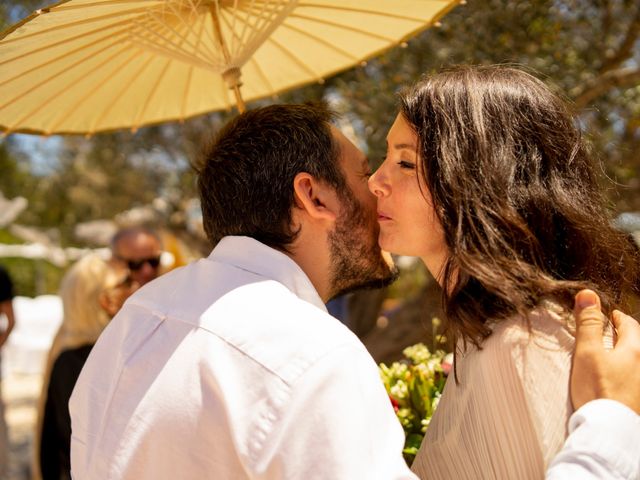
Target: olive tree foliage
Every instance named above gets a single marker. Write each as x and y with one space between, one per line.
588 50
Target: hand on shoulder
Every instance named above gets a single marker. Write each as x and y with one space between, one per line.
600 373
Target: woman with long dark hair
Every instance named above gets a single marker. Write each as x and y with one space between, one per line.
488 180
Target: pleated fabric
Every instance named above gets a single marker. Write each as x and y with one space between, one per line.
507 417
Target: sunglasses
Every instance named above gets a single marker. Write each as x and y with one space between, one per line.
135 265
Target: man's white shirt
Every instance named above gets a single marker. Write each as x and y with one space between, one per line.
231 367
603 444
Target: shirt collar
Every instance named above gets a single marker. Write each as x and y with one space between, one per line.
253 256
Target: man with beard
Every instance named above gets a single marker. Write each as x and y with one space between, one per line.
231 367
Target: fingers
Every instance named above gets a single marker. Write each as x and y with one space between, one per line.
589 319
628 329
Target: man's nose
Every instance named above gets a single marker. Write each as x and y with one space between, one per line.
147 272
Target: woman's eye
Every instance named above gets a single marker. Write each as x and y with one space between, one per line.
407 165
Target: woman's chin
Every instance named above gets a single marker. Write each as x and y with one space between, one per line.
391 247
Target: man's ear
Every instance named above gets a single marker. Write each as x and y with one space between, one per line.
317 199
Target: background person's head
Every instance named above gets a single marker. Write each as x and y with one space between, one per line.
92 291
515 195
247 178
138 249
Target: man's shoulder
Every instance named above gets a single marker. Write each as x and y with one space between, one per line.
276 329
187 292
273 328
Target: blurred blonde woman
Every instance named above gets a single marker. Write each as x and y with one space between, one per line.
92 292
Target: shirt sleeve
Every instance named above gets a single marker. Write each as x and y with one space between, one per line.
339 424
604 444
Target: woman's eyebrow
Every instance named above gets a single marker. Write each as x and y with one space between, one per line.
404 146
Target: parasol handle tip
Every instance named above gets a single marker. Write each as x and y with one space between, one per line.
232 79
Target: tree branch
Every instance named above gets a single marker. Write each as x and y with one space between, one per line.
606 21
625 50
583 96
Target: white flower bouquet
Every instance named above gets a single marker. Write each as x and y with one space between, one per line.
414 386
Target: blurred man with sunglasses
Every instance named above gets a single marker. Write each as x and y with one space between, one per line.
139 249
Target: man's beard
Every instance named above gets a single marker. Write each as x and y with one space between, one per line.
356 259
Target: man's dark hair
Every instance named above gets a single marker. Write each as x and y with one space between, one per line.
246 177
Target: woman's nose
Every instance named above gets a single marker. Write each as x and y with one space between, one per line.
377 184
